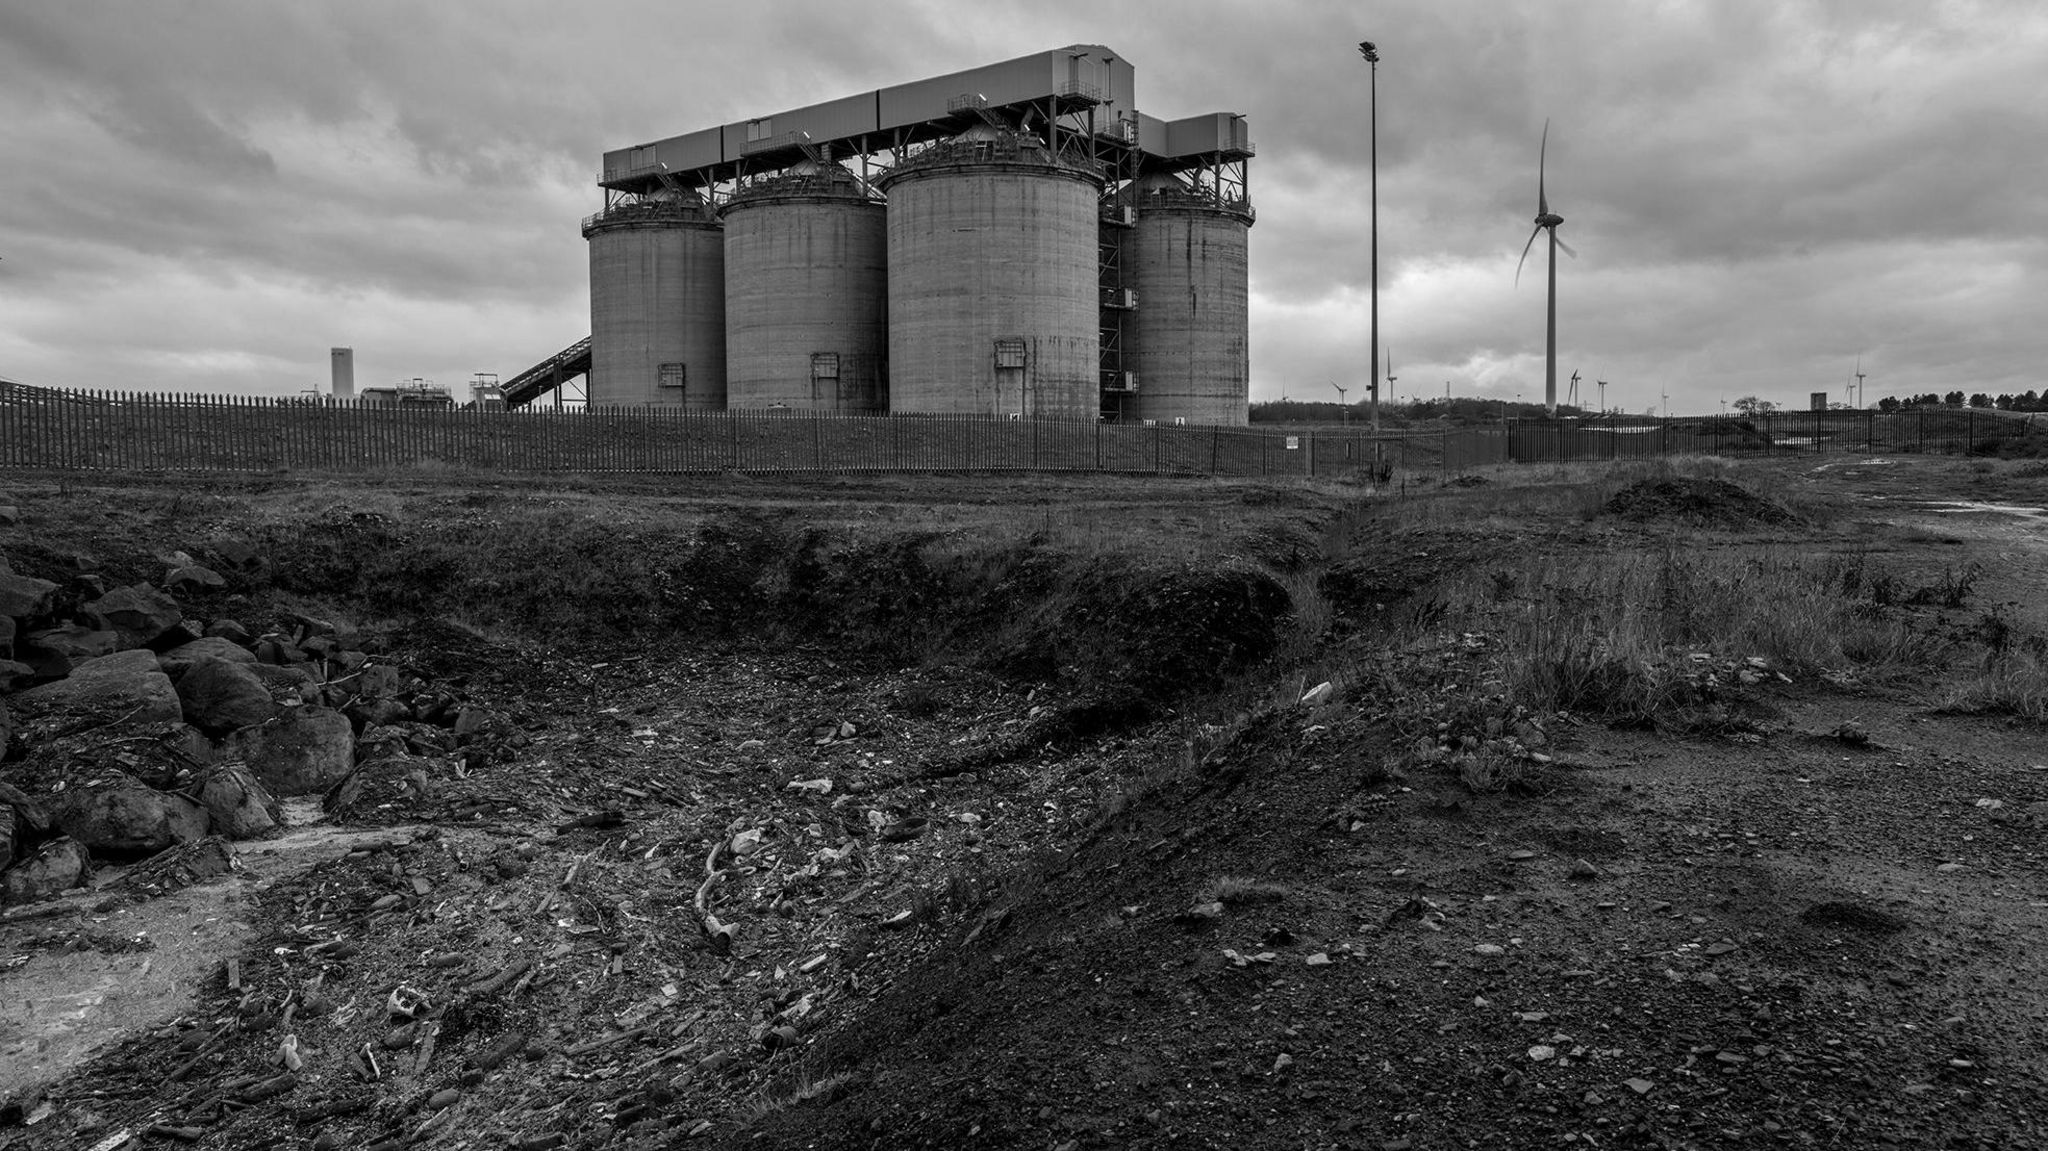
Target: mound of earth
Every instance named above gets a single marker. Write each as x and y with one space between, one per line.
1699 501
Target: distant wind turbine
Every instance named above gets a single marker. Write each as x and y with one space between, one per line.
1545 218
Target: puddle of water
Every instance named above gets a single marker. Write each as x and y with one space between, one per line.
61 1006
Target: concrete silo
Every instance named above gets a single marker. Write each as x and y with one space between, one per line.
657 304
993 289
806 294
1188 338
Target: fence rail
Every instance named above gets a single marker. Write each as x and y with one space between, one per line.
154 432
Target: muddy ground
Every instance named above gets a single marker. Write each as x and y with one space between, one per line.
1024 837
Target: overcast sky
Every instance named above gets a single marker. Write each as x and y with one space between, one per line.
205 195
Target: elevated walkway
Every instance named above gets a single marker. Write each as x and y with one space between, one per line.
549 374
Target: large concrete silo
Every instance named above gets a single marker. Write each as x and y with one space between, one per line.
993 290
1188 338
806 294
657 304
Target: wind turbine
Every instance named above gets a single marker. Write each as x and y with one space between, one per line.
1545 218
1340 400
1859 381
1573 394
1603 395
1391 377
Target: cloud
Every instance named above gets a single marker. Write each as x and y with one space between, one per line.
205 197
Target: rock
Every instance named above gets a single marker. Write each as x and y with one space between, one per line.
54 652
240 557
9 515
302 751
1318 695
379 681
139 612
125 816
6 734
219 696
1489 949
1583 870
28 813
178 660
1542 1052
238 802
469 721
229 630
279 650
122 689
59 865
376 713
1639 1086
1522 856
7 630
905 830
289 686
13 675
189 579
25 597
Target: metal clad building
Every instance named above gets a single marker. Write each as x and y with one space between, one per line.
806 294
657 305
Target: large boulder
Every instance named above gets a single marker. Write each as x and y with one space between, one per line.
220 696
124 689
241 807
139 612
124 816
25 597
13 675
230 630
22 822
179 660
59 865
7 629
302 751
54 652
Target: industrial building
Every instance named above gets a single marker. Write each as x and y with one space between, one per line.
1012 241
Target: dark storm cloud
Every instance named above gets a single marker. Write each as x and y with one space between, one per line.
1761 191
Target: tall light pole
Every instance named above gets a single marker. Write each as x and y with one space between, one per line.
1371 52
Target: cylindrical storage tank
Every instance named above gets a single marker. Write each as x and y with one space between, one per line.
1188 338
806 294
657 304
993 281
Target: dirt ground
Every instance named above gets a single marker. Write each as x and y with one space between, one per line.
985 902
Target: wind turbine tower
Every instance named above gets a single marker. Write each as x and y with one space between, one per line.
1859 381
1391 377
1546 219
1603 395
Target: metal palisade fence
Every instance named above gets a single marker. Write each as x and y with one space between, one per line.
103 431
1936 430
42 428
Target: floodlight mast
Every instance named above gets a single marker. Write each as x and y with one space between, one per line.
1371 52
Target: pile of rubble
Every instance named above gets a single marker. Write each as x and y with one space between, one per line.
130 723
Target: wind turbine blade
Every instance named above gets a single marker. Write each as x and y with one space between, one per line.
1525 254
1542 154
1566 248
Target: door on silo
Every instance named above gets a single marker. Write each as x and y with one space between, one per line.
1011 361
825 396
